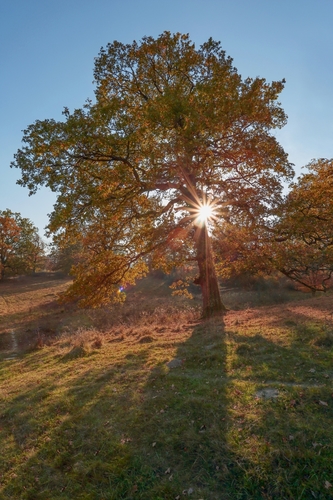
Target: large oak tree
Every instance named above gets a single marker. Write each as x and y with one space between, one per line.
172 127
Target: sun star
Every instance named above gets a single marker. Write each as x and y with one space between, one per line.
205 213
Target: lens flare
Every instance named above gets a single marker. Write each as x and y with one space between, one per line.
205 213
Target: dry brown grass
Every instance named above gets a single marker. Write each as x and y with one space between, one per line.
271 319
24 299
29 307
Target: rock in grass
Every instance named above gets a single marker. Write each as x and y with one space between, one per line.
267 393
175 363
76 352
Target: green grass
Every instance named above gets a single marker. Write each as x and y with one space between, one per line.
98 414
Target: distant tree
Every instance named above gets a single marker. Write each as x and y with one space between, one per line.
173 129
9 236
306 228
298 242
63 258
21 248
30 250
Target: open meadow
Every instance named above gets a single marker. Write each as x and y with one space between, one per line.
146 401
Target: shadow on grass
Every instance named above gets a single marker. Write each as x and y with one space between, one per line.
124 430
286 439
133 428
31 283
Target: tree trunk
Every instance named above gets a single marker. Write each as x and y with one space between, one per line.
2 269
207 279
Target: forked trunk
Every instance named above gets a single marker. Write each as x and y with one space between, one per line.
207 279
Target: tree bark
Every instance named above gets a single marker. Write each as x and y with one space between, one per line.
2 269
207 279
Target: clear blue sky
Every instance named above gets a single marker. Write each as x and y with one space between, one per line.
47 50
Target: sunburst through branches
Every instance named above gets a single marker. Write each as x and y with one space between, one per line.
206 212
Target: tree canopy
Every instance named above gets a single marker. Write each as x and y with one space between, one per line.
298 242
21 247
306 227
172 128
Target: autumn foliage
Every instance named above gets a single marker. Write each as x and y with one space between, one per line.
21 248
172 127
306 228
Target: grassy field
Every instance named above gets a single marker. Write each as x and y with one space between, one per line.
145 401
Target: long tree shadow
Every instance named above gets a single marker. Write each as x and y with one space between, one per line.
185 429
130 431
24 284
